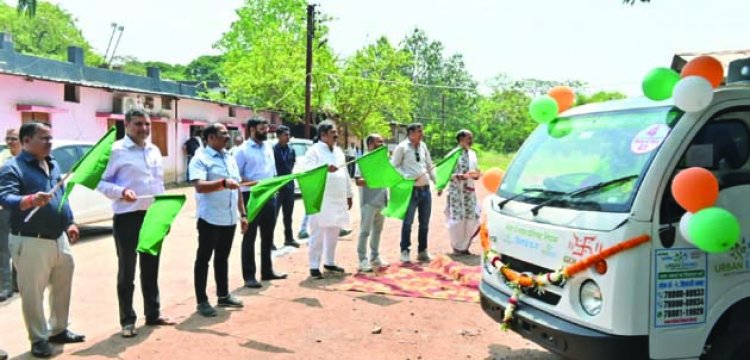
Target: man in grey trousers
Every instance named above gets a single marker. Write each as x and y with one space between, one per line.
6 280
372 202
40 247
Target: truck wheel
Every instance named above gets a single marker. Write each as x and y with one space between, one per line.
729 346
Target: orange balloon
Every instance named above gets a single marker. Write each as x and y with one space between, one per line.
707 67
492 179
695 189
564 96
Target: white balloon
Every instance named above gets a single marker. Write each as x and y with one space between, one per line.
684 224
693 93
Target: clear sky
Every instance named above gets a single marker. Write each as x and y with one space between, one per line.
603 42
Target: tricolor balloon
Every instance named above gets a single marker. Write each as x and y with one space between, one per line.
692 89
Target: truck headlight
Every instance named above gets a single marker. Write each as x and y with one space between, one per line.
591 298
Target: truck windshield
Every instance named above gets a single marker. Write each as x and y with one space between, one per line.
581 151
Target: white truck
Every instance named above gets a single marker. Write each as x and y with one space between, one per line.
599 175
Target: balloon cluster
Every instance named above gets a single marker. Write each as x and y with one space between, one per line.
692 89
709 228
545 108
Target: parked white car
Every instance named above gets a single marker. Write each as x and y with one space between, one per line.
89 206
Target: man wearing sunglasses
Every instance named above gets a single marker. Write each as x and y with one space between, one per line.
412 159
6 287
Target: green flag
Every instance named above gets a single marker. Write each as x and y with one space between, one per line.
445 169
312 184
158 221
90 168
398 201
377 170
263 191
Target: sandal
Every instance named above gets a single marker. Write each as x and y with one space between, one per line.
129 331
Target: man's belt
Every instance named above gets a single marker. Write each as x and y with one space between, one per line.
37 235
422 187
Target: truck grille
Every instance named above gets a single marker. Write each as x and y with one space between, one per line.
521 266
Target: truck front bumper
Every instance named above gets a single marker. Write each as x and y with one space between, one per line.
561 336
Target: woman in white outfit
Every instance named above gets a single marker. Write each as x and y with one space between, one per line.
337 200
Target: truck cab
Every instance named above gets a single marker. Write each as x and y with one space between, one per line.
664 299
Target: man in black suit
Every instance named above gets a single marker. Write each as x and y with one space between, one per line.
285 159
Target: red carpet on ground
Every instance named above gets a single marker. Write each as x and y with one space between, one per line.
442 279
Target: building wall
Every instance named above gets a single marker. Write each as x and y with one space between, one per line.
78 121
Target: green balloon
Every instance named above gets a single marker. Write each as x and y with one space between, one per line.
714 230
559 128
659 83
543 109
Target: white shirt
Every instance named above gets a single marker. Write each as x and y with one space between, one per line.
405 158
334 211
132 167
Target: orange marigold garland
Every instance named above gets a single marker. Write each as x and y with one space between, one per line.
518 282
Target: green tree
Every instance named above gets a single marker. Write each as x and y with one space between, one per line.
371 89
445 94
48 34
600 96
264 57
503 120
27 6
205 68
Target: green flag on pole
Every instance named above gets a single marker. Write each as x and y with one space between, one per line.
445 169
263 191
158 221
312 184
398 201
90 168
377 170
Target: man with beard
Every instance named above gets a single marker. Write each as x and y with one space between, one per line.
256 162
285 159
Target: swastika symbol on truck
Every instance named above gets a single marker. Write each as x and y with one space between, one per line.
584 245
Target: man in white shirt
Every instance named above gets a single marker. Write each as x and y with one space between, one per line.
337 200
134 169
412 159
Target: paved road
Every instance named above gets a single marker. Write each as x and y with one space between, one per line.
291 319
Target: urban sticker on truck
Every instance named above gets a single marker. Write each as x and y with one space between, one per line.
681 287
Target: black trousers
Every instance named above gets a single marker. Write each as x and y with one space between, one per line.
213 239
285 202
126 228
266 221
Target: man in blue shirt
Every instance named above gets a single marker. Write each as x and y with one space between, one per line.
216 178
256 162
27 181
285 159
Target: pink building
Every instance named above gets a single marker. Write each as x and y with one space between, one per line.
82 102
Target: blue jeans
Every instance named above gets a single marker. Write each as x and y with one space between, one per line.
421 199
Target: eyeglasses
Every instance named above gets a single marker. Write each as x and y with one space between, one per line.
11 138
416 155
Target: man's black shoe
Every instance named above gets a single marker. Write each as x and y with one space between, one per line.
292 243
334 268
41 349
316 274
253 284
66 337
273 276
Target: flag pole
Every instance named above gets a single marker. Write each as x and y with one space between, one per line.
51 193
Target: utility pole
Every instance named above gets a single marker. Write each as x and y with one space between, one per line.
114 29
308 68
442 110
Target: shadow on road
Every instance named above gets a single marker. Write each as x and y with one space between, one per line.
197 323
115 345
256 345
499 352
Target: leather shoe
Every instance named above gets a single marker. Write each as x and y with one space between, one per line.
66 337
253 284
161 321
41 349
273 276
292 243
6 294
3 355
316 274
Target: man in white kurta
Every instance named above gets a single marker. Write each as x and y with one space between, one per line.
461 209
337 200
